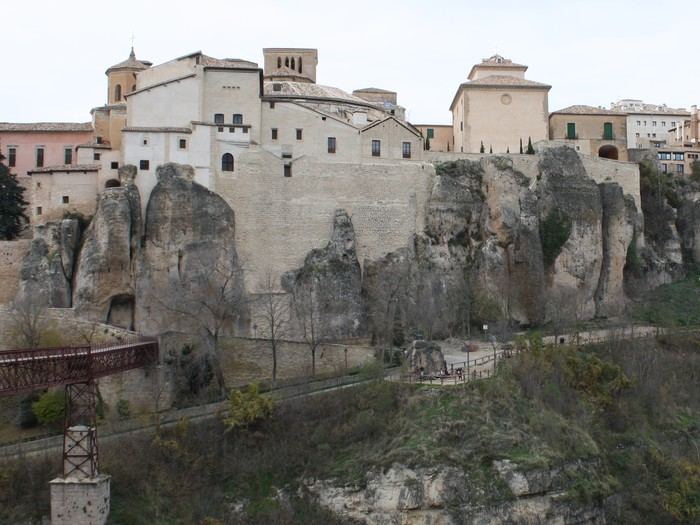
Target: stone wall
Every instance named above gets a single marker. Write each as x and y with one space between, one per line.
280 219
11 255
247 360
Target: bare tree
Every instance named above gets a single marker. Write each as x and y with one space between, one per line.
28 321
211 301
273 311
310 318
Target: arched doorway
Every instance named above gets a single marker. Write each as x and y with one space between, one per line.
608 152
112 183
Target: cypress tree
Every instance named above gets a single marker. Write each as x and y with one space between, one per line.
12 204
481 149
521 146
427 144
508 150
490 149
530 149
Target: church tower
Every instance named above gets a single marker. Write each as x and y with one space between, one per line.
294 64
121 78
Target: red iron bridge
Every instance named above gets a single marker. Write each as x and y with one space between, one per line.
27 370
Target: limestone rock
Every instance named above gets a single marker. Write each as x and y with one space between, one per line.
47 269
327 289
426 356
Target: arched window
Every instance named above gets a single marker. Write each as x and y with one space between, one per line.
286 61
227 162
293 64
117 92
279 62
299 64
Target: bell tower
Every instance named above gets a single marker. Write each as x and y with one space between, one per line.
294 64
121 78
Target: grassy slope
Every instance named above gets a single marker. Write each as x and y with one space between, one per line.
633 411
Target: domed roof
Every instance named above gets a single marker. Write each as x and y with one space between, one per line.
130 63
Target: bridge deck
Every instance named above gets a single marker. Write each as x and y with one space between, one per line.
33 369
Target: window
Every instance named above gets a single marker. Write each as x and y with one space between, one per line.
639 123
571 130
65 199
183 144
98 140
39 157
653 123
287 170
117 92
653 135
145 142
286 155
299 132
114 165
406 149
677 156
144 164
237 118
636 135
331 144
231 130
272 105
664 167
673 123
679 168
431 133
218 118
12 157
376 148
96 156
664 156
608 131
38 210
663 123
38 185
276 86
461 126
645 122
68 156
279 62
227 162
245 130
299 64
274 133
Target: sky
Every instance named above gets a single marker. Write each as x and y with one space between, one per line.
591 52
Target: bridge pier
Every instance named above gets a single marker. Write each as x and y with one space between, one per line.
80 501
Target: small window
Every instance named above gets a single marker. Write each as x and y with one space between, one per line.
38 185
220 129
231 130
245 130
68 156
96 156
276 86
237 118
679 168
12 157
376 148
608 131
227 162
118 92
272 105
406 150
653 123
287 170
218 118
571 130
286 155
145 142
114 165
431 133
40 157
144 164
183 143
461 126
65 199
98 140
274 133
331 144
38 210
299 133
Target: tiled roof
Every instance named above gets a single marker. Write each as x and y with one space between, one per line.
95 145
504 80
45 126
162 129
69 167
587 110
374 90
131 63
237 63
308 90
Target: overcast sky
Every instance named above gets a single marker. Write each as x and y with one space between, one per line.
592 52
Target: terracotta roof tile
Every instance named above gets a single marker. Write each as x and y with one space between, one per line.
45 126
68 168
581 109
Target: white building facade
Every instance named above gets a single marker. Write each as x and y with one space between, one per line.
648 124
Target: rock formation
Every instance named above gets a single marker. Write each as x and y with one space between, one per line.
48 268
326 290
426 357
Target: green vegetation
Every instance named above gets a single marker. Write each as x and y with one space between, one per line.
555 229
247 406
695 171
12 204
621 418
674 304
530 148
51 407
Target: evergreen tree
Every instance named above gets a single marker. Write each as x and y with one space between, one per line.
12 204
491 149
530 149
508 150
481 149
521 146
427 144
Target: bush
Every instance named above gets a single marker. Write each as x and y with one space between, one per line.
25 416
248 406
554 232
51 407
123 409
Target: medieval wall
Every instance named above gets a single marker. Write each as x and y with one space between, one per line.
280 219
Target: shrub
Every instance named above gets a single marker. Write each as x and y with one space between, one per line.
248 406
123 409
554 232
25 416
51 407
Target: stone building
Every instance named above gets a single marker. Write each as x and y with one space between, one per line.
592 131
683 148
648 124
438 137
498 107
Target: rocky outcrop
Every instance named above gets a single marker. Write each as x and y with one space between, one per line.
327 289
446 496
188 259
47 270
688 223
104 289
426 357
